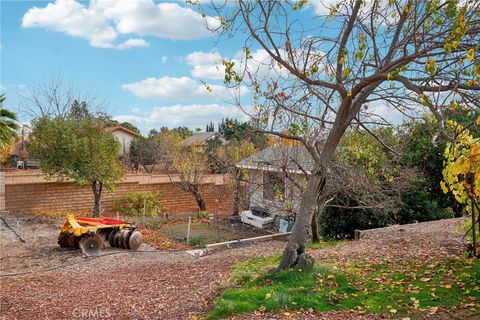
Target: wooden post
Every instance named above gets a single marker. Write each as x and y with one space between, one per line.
470 177
188 230
357 234
474 236
144 207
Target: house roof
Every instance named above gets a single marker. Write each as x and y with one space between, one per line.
128 131
202 138
295 159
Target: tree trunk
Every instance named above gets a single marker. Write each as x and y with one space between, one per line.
294 255
315 231
316 218
200 201
147 170
97 187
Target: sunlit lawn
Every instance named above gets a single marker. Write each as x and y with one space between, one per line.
399 289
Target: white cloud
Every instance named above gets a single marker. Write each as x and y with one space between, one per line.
380 111
74 19
164 59
130 43
322 7
193 116
183 88
164 20
206 65
203 58
102 22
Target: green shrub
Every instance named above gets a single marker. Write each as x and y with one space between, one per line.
132 203
417 205
338 223
196 241
420 205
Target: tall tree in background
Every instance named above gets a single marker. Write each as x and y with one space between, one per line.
183 132
210 127
235 131
8 125
325 73
129 126
79 110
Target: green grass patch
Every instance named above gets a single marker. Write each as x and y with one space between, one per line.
323 244
200 233
399 289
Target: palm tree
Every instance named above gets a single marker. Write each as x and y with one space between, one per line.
8 125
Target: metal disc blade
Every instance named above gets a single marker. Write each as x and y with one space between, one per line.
135 240
127 239
123 239
91 246
62 239
117 238
105 235
111 236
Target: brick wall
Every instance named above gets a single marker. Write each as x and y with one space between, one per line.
2 191
30 192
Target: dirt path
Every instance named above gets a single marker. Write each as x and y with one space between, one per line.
39 278
61 284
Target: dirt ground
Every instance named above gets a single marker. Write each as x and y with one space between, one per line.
39 280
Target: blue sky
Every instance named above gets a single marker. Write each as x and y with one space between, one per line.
148 60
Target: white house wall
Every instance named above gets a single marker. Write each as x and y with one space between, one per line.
125 141
292 193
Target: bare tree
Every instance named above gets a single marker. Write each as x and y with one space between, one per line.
186 166
327 71
368 180
54 97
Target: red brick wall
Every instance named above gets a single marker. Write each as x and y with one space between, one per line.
35 194
2 191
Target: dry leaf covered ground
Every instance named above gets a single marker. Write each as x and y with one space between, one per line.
41 281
